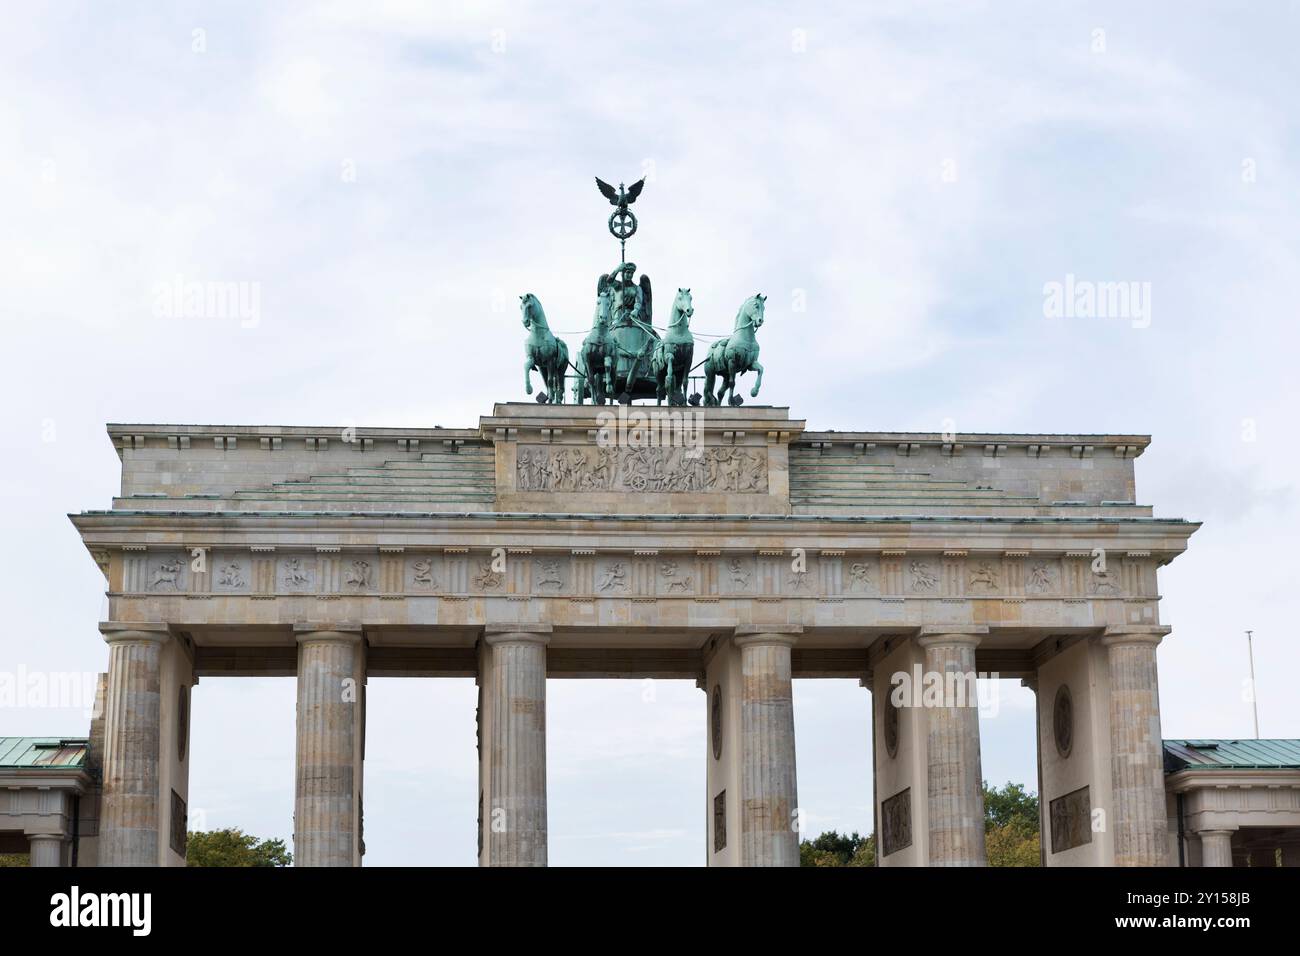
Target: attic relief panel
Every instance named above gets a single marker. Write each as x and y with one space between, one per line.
579 468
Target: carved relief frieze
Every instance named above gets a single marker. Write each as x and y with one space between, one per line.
923 576
1042 576
654 469
612 577
738 574
676 577
422 573
549 574
298 574
862 575
358 574
983 576
231 573
166 572
485 577
766 574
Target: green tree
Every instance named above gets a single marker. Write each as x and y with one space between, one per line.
1010 805
1010 834
834 849
234 847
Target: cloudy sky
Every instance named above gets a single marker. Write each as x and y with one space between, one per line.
901 179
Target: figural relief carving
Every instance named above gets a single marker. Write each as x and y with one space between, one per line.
548 574
296 577
167 574
739 574
923 576
357 576
1103 582
422 573
1040 579
654 469
983 575
675 581
615 577
859 576
487 579
230 576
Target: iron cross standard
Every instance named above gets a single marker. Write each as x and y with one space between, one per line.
622 223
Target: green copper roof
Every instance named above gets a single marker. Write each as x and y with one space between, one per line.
62 752
1231 754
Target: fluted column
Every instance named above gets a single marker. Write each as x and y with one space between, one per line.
1216 847
130 818
46 849
329 708
769 799
954 784
1139 823
516 821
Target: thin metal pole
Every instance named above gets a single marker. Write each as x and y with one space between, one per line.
1254 693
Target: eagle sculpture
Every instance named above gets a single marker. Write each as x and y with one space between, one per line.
620 197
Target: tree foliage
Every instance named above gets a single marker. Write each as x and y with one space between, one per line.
234 847
834 849
1010 834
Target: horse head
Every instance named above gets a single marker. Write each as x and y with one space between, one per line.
604 305
531 308
751 313
683 309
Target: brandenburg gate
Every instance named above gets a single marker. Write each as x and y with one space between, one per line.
726 544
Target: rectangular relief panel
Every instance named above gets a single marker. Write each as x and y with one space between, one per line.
896 822
1071 820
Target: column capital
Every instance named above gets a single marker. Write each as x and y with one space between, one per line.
748 635
494 634
123 632
46 835
1215 831
1120 634
951 635
319 632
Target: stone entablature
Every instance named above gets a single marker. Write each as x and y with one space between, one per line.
398 571
541 545
524 458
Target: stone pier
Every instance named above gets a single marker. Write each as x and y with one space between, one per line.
1216 847
130 824
330 708
954 782
1140 823
769 800
514 693
46 849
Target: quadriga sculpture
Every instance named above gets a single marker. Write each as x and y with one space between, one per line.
543 352
735 355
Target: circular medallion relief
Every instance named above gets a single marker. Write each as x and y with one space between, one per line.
182 721
715 721
1063 720
891 728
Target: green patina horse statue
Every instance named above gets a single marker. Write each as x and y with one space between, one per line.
671 362
543 352
595 366
735 355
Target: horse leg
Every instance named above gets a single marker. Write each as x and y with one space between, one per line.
528 380
708 385
753 392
